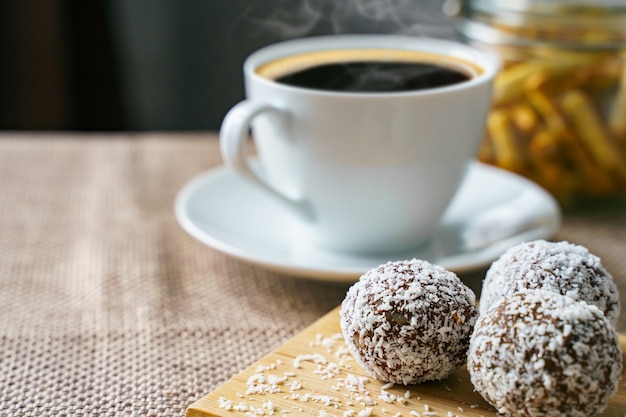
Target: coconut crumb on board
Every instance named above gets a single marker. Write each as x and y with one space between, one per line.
225 403
365 413
329 371
316 358
355 395
387 386
261 384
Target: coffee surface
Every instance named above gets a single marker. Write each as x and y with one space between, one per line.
368 70
374 76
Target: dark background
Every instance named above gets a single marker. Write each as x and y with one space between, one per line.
162 64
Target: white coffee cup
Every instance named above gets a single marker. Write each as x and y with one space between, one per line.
361 172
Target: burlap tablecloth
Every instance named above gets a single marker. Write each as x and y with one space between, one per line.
108 308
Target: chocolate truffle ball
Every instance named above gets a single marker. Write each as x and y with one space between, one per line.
561 267
538 353
407 322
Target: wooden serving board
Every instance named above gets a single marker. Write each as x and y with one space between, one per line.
313 375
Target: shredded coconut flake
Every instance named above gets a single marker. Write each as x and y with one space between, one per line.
387 386
262 384
365 413
316 358
225 403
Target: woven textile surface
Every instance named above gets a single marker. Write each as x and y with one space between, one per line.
108 308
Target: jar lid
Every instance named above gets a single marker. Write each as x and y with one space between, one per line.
571 23
544 6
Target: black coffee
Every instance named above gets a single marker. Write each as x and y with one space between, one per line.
370 77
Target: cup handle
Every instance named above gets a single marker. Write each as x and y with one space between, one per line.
233 137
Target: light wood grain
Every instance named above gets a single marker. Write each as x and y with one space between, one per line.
454 396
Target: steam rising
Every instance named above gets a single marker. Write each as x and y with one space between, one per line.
297 18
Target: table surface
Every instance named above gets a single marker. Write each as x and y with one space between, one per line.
108 308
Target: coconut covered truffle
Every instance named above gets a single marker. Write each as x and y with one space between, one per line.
561 267
537 353
408 322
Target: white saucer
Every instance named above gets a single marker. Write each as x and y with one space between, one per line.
493 210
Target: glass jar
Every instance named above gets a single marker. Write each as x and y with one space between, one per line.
559 103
